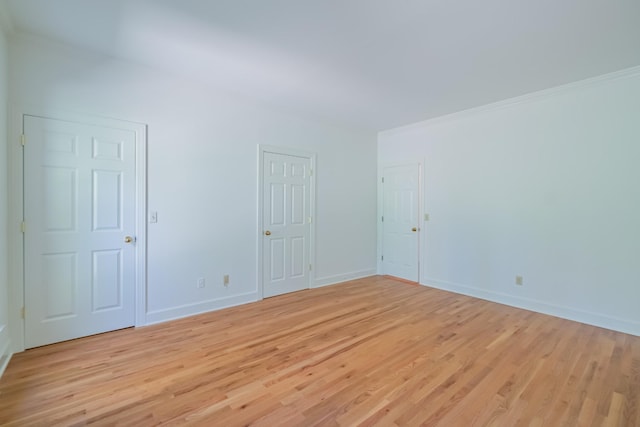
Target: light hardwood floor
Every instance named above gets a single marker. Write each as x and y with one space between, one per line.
368 352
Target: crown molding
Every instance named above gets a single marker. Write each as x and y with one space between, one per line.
522 99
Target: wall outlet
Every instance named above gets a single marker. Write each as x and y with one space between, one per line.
201 282
225 280
519 280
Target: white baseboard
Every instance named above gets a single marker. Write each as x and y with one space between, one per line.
158 316
5 348
332 280
186 310
596 319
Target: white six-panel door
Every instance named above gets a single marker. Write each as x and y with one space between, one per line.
79 211
401 210
285 223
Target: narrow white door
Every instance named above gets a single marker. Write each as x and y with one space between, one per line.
401 210
79 212
285 223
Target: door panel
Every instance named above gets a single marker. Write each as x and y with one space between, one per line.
278 207
79 203
60 203
400 245
60 286
107 197
277 255
107 279
298 200
286 183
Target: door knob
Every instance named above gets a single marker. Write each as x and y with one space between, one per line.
414 229
267 233
128 239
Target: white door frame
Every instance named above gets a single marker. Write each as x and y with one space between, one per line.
421 212
312 210
16 212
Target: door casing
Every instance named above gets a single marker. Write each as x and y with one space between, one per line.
260 203
16 212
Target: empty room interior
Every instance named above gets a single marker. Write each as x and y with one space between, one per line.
319 213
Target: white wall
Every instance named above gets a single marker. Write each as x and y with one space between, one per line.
202 172
544 186
4 202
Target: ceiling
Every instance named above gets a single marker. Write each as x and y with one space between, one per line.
375 64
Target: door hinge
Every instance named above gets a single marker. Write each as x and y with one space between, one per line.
22 312
383 179
23 227
309 267
23 140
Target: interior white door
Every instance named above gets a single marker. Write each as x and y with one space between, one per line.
79 212
285 223
400 224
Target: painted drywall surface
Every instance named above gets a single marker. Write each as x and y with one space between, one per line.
4 203
202 171
547 189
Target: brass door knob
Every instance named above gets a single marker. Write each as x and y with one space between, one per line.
267 233
414 229
128 239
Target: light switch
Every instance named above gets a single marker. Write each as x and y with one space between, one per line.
153 217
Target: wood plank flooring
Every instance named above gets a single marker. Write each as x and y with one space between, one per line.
368 352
